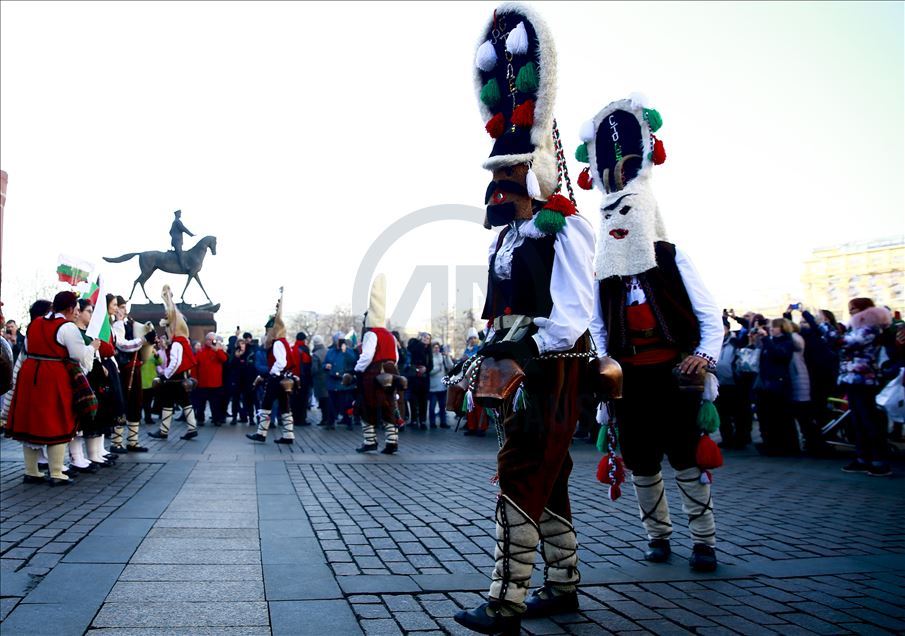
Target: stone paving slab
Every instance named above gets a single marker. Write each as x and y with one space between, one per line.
314 618
395 545
181 614
188 591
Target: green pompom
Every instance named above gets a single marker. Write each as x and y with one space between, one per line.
490 94
549 221
581 154
708 418
526 82
601 439
653 119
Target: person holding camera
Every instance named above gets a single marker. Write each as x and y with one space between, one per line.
211 360
773 389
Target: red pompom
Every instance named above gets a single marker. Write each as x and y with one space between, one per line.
603 471
523 115
615 492
584 179
496 125
708 454
659 152
561 204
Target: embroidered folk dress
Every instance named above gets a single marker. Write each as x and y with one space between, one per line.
42 407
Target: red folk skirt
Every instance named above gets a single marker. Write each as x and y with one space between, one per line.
41 411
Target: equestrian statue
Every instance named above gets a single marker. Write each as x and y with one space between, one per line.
176 261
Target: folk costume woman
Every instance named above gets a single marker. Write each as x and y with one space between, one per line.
42 410
175 383
655 317
539 306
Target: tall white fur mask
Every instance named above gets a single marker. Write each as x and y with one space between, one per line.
621 149
630 224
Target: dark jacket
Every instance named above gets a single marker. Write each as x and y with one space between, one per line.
775 358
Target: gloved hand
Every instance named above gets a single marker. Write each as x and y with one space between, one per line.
520 351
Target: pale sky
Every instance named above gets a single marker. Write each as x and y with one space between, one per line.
296 133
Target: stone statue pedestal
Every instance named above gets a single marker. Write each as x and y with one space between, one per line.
200 318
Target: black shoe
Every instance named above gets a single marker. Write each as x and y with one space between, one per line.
90 468
283 440
470 432
69 472
487 618
390 449
658 551
433 426
256 437
135 448
880 469
158 435
104 464
60 482
119 450
545 601
244 420
444 425
856 466
200 423
234 422
305 423
189 435
703 558
28 479
149 421
366 448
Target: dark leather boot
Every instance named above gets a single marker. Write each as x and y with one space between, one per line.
366 448
658 551
488 618
703 558
545 601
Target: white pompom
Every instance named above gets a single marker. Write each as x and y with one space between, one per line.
485 59
711 387
587 131
532 185
639 100
517 40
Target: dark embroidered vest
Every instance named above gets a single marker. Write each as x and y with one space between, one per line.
677 325
527 291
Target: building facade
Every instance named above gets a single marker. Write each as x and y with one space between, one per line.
873 269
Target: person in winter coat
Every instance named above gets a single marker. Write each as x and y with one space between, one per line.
211 360
300 398
821 337
232 379
733 407
338 362
319 382
859 377
420 365
773 390
441 364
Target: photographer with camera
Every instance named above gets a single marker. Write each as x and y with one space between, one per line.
211 360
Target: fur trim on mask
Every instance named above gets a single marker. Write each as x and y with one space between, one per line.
175 321
871 317
600 118
378 303
543 159
634 253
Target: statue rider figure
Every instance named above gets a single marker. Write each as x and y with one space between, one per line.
176 232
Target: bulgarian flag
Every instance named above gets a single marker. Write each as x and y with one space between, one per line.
99 327
72 270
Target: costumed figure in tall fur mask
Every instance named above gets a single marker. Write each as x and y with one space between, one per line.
656 318
281 381
539 306
379 382
175 383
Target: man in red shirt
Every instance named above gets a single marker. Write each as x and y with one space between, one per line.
211 359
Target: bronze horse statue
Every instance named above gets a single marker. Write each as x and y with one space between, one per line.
149 262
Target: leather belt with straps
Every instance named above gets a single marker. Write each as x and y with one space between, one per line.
507 321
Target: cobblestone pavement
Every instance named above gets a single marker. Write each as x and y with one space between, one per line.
223 536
